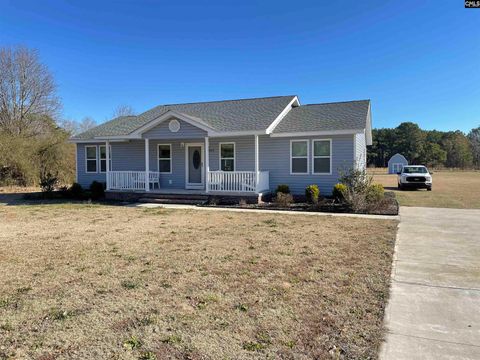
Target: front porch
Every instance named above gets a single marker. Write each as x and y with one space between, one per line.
183 165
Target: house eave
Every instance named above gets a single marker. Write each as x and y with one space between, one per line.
319 133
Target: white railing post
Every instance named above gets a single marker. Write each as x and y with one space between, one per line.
107 170
207 165
257 168
147 167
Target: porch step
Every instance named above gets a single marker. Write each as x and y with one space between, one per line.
162 200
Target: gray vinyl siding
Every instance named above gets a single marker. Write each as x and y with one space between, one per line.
360 151
244 152
187 131
275 157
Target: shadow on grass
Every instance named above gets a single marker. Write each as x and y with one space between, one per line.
39 198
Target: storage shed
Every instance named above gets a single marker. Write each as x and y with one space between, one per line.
396 163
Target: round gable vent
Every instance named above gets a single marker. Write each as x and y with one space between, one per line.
174 125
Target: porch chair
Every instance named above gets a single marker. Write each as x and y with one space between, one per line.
154 178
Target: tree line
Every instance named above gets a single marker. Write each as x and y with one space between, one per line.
451 149
33 135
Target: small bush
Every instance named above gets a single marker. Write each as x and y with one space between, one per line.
283 188
339 191
76 190
283 199
312 193
48 182
375 193
132 343
148 356
97 190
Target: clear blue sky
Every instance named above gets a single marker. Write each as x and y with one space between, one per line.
416 60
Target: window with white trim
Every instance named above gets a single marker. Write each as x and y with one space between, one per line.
165 158
299 156
227 156
91 159
322 156
102 149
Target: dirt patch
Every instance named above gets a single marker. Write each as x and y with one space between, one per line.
91 281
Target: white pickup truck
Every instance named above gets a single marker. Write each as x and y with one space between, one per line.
414 176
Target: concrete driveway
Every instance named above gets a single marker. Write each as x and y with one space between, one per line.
434 306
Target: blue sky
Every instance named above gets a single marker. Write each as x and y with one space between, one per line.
416 60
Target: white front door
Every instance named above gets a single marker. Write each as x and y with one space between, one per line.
194 174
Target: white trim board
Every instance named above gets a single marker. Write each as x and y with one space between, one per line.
168 115
284 112
202 159
318 133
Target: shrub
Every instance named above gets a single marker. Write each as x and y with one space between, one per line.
357 183
375 193
311 193
283 199
97 190
48 182
339 191
76 190
283 188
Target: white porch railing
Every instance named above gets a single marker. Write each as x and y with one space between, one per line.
238 181
222 181
130 180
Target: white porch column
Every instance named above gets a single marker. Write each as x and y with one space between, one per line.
207 163
107 170
147 167
257 169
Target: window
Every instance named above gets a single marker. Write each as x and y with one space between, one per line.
91 159
102 149
165 158
299 156
322 156
227 156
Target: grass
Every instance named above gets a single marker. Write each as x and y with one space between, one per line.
89 281
451 189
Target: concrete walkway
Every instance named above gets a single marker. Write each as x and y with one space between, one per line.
266 211
434 306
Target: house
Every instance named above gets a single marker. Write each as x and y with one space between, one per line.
396 163
233 147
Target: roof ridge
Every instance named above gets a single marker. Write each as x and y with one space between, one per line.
336 102
228 100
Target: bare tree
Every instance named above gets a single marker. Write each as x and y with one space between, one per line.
87 123
27 92
123 110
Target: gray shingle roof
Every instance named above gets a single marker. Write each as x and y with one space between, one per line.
227 115
349 115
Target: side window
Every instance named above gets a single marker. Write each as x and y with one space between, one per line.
299 156
103 158
227 156
165 158
91 159
322 156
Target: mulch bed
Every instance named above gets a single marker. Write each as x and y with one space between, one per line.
388 206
